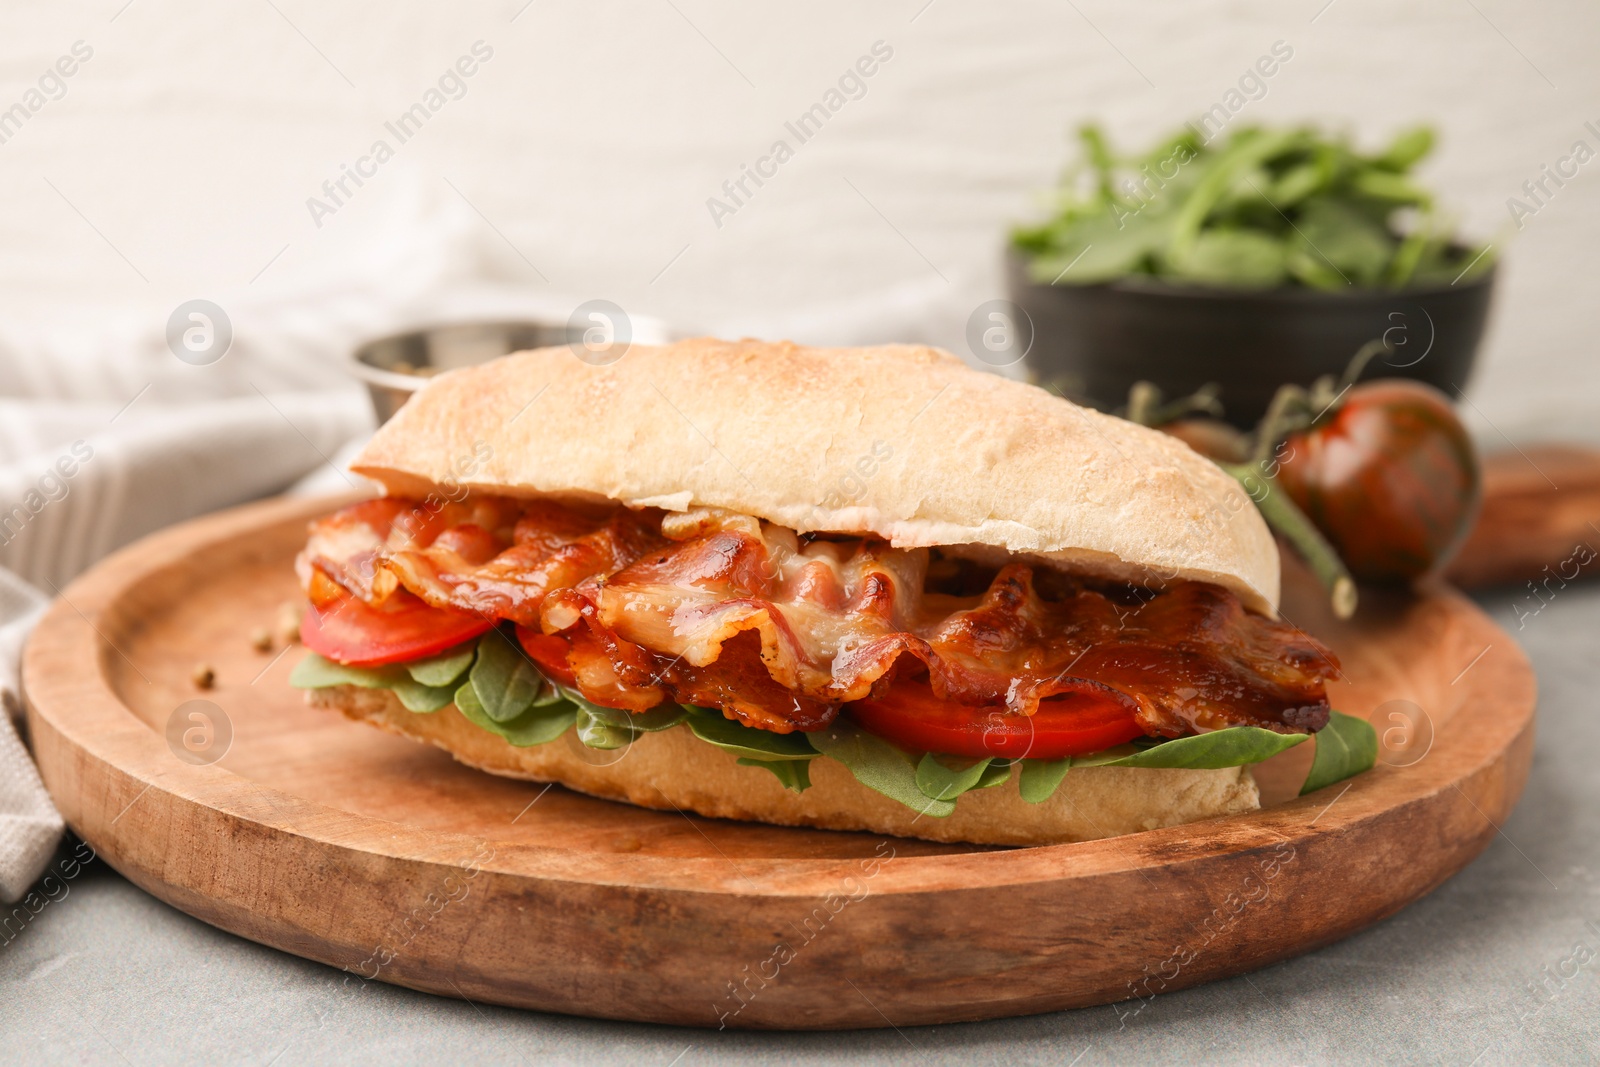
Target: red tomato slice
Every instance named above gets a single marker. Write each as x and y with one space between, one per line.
351 632
1087 719
550 653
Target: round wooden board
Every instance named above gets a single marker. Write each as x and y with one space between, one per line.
344 844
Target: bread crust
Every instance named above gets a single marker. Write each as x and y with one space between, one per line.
899 441
674 770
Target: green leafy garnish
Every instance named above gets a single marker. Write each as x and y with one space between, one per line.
609 728
315 672
536 726
445 668
549 693
1246 259
423 698
503 677
946 777
601 731
795 774
1259 208
997 773
529 709
878 765
1237 746
662 717
712 727
787 756
1345 747
1039 778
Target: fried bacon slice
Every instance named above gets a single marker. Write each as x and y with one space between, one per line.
779 630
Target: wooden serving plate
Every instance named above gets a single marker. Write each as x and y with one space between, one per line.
343 844
1540 520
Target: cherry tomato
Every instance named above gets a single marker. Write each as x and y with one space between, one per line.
1391 478
1088 719
549 653
407 628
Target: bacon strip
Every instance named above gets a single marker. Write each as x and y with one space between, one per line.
719 609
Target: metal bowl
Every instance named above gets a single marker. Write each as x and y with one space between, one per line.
396 366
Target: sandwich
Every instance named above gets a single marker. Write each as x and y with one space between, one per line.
856 589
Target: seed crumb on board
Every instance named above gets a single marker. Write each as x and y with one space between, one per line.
287 624
203 676
261 639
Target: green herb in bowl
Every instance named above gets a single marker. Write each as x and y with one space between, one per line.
1263 208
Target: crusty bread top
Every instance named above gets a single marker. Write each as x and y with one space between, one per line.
900 441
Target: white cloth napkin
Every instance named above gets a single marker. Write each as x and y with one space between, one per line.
29 824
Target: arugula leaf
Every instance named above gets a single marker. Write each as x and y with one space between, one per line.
1312 270
549 693
1104 248
939 780
315 672
664 717
469 707
794 774
606 728
1393 188
1237 746
712 727
1297 183
1039 778
1406 150
997 773
503 679
536 726
1410 253
1341 234
1243 258
1246 150
422 698
445 668
878 765
599 730
1099 155
1345 747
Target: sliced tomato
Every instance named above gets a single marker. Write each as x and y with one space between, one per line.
1089 718
550 653
355 634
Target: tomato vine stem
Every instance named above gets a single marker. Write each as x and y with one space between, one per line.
1286 518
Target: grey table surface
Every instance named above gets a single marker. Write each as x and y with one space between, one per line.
1499 965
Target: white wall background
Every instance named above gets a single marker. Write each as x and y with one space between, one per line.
578 163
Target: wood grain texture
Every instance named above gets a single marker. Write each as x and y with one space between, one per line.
343 844
1541 505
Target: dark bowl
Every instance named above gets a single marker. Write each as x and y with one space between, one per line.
1092 342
